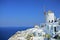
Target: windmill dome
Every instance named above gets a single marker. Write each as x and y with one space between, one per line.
50 11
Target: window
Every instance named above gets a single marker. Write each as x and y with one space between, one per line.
52 20
55 20
39 34
49 20
55 29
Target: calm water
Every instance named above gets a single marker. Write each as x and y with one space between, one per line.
7 32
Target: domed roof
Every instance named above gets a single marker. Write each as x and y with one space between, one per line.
50 11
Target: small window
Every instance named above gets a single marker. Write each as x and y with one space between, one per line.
55 29
39 34
55 20
52 20
49 20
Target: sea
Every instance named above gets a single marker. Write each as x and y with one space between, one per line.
7 32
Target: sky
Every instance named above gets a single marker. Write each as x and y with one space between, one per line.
26 12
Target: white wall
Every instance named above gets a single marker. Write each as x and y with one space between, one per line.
50 17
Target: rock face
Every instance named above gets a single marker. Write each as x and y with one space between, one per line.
29 34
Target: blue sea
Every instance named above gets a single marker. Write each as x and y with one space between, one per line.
7 32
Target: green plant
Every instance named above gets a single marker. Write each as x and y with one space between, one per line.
29 36
47 36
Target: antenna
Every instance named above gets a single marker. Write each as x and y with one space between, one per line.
45 14
44 10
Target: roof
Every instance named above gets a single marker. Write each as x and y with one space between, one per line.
50 11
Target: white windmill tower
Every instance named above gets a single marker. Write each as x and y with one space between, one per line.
50 20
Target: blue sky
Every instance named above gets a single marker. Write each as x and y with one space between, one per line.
26 12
